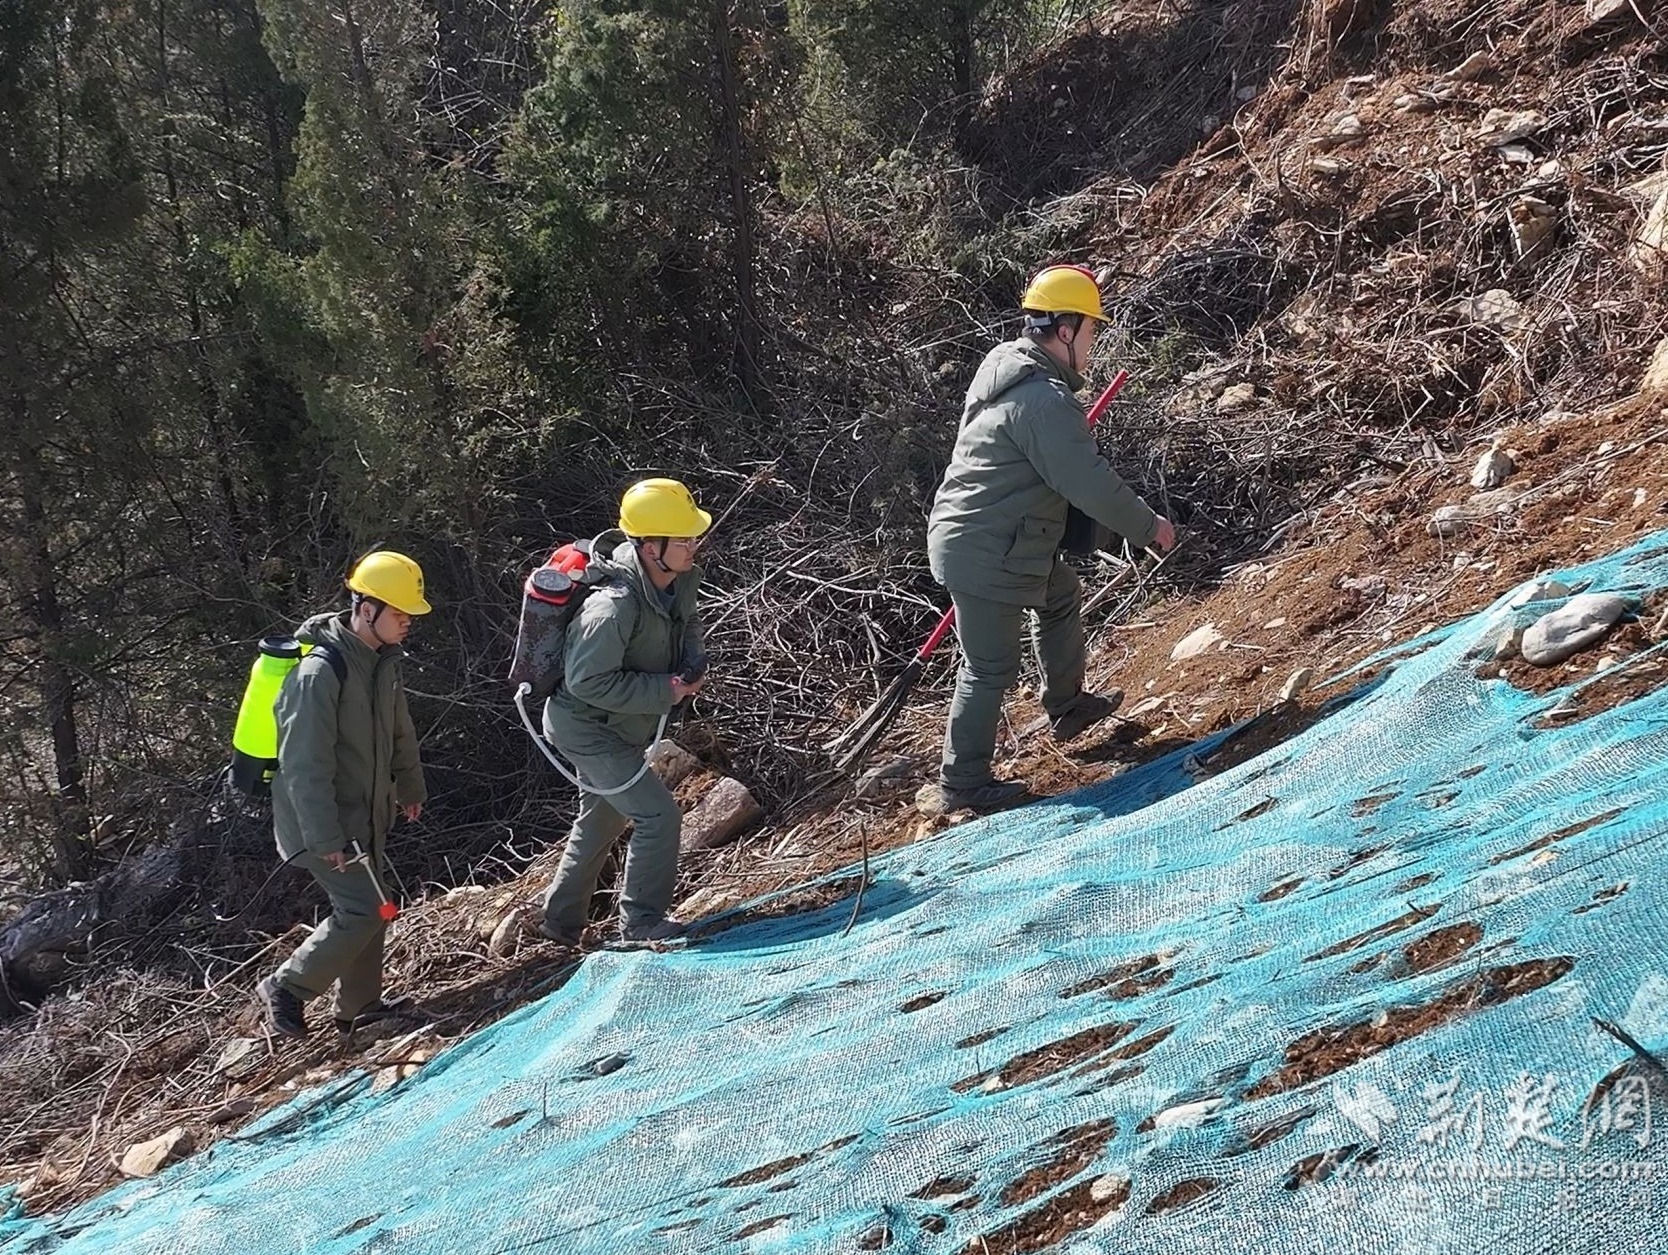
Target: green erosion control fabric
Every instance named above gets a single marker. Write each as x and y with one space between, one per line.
1337 999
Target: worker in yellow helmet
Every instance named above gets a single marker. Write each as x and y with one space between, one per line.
1023 457
632 653
347 763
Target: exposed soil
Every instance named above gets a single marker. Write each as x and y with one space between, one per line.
1267 1134
1183 1194
1044 1228
1126 980
1329 1050
1552 838
1409 919
775 1168
1440 948
1047 1060
1071 1151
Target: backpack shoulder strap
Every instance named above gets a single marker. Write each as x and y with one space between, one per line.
333 656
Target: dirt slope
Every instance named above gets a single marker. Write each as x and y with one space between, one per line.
1361 203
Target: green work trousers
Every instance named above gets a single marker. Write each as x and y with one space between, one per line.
346 948
651 865
991 635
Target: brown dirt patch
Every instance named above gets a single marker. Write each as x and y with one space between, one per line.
1329 1050
922 1002
1046 1227
1417 882
776 1167
1355 860
797 902
1129 1050
979 1039
1365 806
1183 1194
758 1226
1552 838
1312 1169
1280 890
1267 1134
1408 919
1126 980
1603 896
1047 1060
1440 948
1070 1151
949 1186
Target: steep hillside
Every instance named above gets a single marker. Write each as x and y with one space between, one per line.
1358 247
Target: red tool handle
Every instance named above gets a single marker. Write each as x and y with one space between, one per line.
1106 398
1102 403
938 634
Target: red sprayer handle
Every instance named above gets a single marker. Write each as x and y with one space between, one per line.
1102 403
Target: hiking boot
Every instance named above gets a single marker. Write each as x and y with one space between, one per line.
1086 710
561 936
667 929
284 1013
398 1009
979 797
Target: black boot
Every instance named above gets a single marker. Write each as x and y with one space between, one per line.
284 1013
979 797
1086 710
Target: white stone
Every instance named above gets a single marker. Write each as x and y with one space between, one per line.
1189 1115
721 816
1448 521
1497 309
1472 68
1648 251
1346 130
1275 623
1196 642
504 934
671 762
1581 621
1539 590
1502 126
1533 223
1296 684
1494 468
1603 10
1656 373
148 1158
1235 398
1105 1188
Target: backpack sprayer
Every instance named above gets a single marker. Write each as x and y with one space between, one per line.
550 599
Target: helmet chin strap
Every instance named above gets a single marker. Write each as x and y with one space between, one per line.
659 559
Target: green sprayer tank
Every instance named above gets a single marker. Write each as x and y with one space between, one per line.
255 739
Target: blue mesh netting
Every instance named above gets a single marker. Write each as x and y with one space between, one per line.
1037 1008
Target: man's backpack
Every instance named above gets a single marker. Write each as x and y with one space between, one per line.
255 738
549 600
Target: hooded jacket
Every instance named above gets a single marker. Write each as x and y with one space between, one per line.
1024 454
622 648
347 750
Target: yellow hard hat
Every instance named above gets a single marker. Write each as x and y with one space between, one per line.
390 577
1064 290
661 507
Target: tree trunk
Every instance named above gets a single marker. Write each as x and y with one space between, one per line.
743 250
39 589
